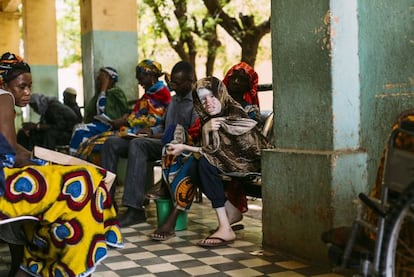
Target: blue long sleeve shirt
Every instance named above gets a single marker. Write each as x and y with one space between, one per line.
180 111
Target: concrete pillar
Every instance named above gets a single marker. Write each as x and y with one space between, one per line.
10 33
109 38
9 22
332 64
40 44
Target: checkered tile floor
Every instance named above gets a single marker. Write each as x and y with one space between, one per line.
180 256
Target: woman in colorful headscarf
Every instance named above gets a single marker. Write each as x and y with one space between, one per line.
148 110
13 72
51 228
108 103
231 144
15 86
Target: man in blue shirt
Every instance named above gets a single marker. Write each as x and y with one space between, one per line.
143 151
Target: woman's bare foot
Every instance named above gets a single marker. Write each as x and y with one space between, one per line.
166 231
234 215
225 234
162 235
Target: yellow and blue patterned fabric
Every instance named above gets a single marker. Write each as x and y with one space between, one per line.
74 217
176 172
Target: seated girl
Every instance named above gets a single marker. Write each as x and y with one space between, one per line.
231 143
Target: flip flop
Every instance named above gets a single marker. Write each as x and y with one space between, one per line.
221 242
235 227
162 236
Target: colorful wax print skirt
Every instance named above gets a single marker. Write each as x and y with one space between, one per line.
175 171
82 132
69 219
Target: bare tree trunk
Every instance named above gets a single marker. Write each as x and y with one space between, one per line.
184 45
249 47
213 44
243 31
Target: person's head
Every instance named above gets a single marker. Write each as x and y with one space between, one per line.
182 78
210 97
109 74
69 95
39 103
147 73
241 81
15 77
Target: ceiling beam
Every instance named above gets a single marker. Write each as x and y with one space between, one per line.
10 5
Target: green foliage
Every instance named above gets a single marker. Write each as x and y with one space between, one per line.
205 27
152 40
68 26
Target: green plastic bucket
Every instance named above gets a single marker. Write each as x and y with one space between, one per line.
164 207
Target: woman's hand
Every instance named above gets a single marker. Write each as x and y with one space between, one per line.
29 126
175 149
119 122
105 82
213 124
22 158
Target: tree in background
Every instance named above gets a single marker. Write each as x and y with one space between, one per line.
243 30
180 39
208 33
68 26
191 38
199 33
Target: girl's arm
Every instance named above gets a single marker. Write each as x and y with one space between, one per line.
179 148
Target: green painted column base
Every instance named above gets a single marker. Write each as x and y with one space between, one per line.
306 193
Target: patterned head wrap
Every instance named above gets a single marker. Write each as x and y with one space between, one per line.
12 66
112 72
249 96
150 66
